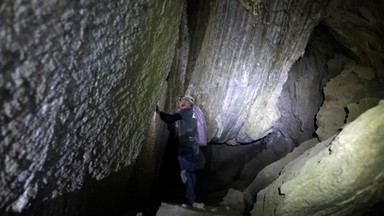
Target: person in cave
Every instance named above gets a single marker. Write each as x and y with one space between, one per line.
188 152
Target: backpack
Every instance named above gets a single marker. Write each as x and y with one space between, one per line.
201 134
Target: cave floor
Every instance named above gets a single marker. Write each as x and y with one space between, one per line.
170 209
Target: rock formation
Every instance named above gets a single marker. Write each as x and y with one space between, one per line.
79 82
340 176
243 59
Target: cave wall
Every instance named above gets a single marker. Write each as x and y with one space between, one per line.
340 176
337 74
233 65
302 94
299 102
357 26
350 182
230 60
79 82
240 59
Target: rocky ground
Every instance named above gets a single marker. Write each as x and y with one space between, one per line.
178 209
170 209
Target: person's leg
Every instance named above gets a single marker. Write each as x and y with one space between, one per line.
188 176
190 187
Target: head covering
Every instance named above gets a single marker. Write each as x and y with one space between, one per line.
190 99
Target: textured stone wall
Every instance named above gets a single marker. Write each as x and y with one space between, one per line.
358 26
355 83
237 64
335 64
302 94
243 61
340 176
299 102
78 85
79 82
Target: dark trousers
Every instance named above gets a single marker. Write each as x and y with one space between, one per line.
188 175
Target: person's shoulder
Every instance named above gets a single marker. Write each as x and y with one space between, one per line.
185 111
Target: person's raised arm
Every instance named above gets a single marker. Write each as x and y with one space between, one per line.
168 118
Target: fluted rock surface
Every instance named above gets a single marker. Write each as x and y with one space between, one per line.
243 61
79 82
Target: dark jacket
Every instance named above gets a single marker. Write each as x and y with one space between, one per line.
187 124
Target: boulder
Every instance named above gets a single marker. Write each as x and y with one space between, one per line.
341 176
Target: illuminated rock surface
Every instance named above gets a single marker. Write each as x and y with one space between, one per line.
340 176
244 59
79 82
347 89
